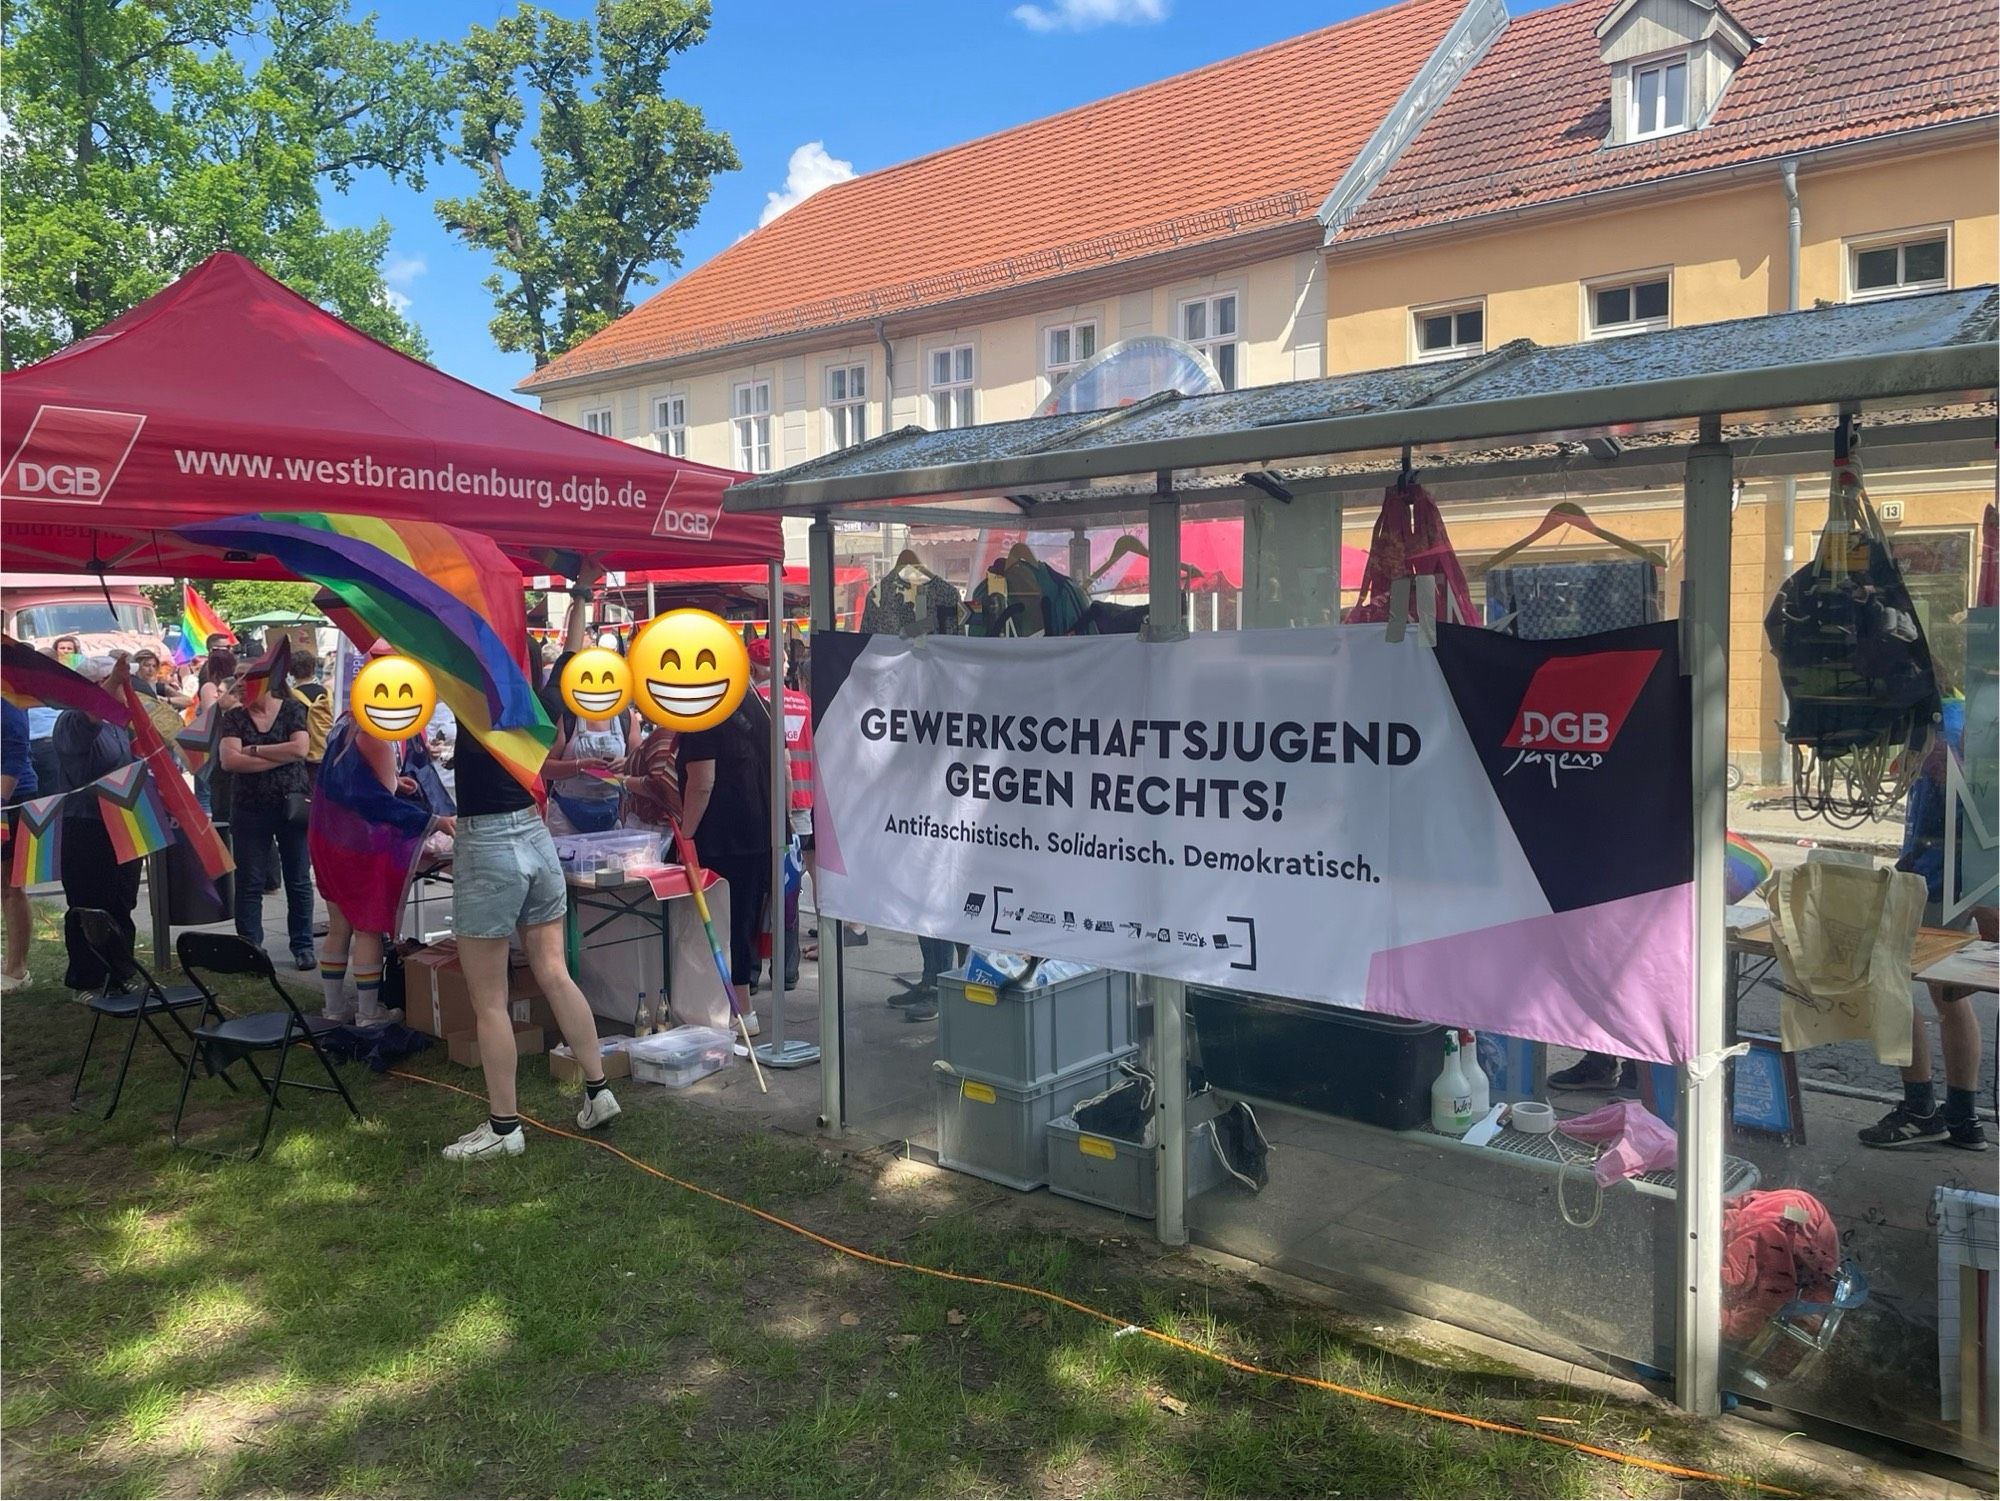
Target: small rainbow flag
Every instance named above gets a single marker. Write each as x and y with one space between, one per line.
200 738
29 680
38 841
1744 868
446 597
268 671
134 816
147 746
199 621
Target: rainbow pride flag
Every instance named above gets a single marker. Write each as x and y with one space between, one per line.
269 671
37 848
1744 868
199 740
446 597
29 680
149 747
134 816
198 622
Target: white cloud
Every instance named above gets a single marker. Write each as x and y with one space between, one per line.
398 272
809 170
1084 15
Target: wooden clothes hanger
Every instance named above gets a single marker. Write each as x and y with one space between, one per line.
1569 513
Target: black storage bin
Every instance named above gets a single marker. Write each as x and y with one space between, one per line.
1332 1061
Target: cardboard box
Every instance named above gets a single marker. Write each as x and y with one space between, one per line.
464 1049
436 1000
564 1068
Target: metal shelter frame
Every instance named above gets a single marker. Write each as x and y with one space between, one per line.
1607 415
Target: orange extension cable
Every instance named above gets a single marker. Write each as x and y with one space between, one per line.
1360 1394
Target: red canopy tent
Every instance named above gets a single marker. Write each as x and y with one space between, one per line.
227 392
1214 548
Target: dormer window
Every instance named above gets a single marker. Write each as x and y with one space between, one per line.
1659 97
1667 63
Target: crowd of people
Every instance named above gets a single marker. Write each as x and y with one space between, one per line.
308 803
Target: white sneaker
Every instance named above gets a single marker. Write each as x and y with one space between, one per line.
11 983
337 1019
598 1110
483 1141
750 1024
378 1018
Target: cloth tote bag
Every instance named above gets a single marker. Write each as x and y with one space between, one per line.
1844 936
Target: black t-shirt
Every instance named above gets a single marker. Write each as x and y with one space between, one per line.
738 820
481 783
266 789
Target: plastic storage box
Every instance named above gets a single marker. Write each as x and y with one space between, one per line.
1325 1059
999 1131
1024 1037
679 1057
1120 1174
612 850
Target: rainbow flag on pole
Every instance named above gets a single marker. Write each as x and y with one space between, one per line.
134 816
29 680
198 622
37 851
448 598
174 792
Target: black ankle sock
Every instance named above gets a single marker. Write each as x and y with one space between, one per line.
592 1088
1957 1104
504 1125
1920 1098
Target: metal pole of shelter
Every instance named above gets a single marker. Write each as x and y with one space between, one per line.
777 1053
1163 625
1703 1082
832 976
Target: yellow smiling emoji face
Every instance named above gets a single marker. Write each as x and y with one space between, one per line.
596 683
392 697
689 670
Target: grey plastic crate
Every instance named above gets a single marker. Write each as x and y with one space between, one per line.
1120 1174
1024 1037
998 1131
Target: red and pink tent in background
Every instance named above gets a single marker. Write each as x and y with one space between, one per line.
228 393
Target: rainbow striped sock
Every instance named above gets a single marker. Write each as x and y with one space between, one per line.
332 976
368 991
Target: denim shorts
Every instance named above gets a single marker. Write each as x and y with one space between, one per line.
504 874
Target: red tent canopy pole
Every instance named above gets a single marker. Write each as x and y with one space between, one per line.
227 392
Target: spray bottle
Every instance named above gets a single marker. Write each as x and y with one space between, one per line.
1475 1076
1451 1095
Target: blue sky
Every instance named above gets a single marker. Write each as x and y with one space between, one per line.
873 81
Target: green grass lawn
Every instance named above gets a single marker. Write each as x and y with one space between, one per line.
351 1315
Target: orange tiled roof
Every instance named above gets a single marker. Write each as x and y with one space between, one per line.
1238 146
1526 126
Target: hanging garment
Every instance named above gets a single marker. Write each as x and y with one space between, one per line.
913 604
1410 541
1844 935
1554 601
1028 598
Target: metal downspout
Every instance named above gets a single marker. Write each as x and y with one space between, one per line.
1788 172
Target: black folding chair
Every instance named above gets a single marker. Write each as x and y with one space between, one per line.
143 1001
246 1036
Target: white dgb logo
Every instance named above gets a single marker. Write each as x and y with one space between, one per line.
1565 729
75 480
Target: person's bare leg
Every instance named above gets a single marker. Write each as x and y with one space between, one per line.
1919 1071
20 920
544 945
484 963
1958 1032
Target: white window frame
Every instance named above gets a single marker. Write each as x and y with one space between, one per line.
1635 129
1056 369
671 433
1899 240
1454 350
750 425
953 402
847 416
1211 342
598 420
1631 280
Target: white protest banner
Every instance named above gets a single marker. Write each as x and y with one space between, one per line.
1492 833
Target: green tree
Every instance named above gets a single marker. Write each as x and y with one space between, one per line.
620 169
237 599
142 135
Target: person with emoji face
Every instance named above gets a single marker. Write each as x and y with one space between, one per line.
589 697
